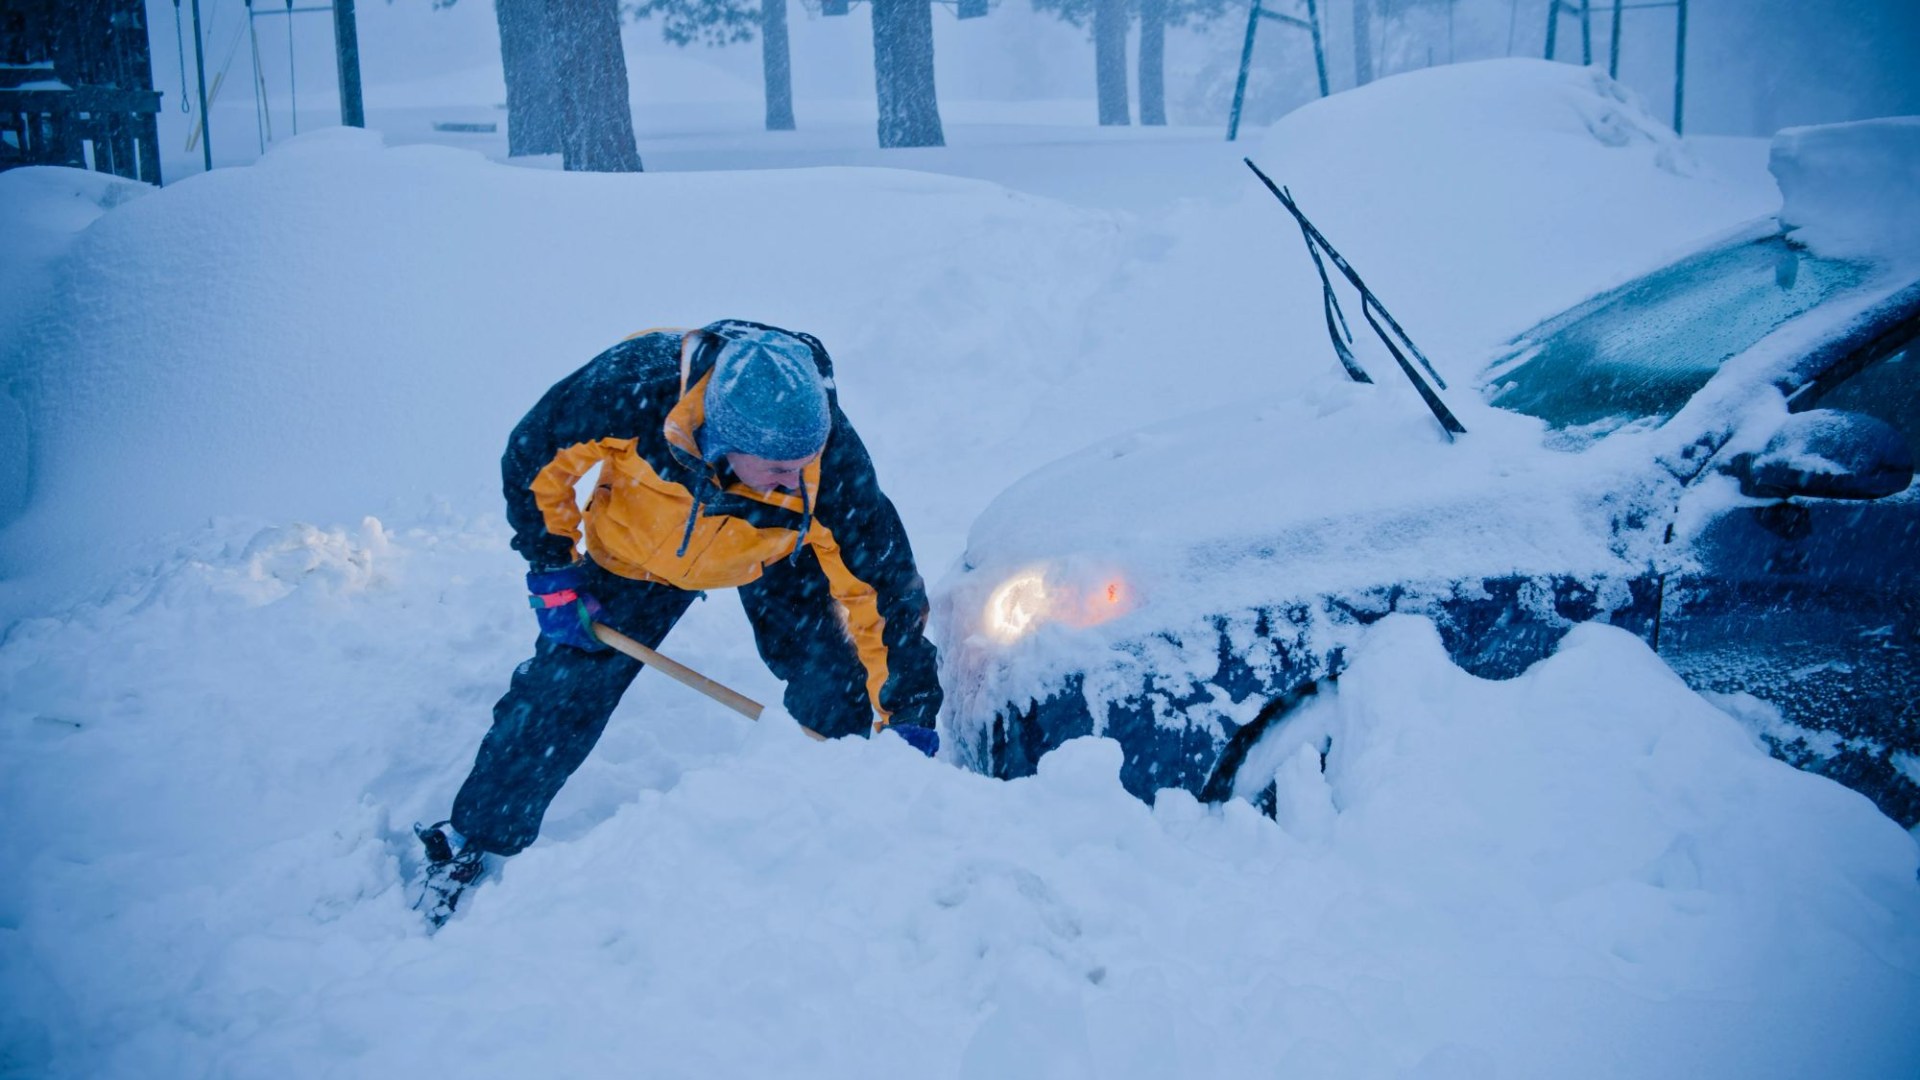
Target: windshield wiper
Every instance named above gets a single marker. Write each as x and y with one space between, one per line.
1369 305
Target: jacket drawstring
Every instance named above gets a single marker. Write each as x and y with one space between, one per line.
701 487
806 521
686 538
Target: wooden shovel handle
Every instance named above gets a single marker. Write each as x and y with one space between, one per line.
732 699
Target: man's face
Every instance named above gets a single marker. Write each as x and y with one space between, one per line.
765 474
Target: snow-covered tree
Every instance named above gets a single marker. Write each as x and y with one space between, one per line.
1153 62
727 22
1155 17
902 57
776 65
1108 19
903 73
534 111
1391 36
1362 42
566 80
597 132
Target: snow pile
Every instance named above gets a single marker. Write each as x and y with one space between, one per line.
41 210
1849 188
344 326
1586 871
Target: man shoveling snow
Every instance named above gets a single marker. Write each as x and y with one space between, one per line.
725 463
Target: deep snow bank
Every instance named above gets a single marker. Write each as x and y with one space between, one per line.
343 325
1586 871
41 210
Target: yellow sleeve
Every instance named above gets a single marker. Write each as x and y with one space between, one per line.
553 485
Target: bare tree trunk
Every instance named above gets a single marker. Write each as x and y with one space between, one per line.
598 132
1153 62
1110 59
903 73
1362 42
533 88
776 64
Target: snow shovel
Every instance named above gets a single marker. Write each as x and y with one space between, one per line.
732 699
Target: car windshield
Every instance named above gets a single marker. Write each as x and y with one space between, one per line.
1636 354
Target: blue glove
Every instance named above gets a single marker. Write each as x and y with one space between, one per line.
566 614
924 739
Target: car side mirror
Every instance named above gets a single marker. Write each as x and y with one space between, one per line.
1828 454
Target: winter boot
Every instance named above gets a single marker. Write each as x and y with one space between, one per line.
451 867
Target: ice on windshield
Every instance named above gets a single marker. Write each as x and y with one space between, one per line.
1635 355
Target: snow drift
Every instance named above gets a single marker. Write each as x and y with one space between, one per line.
346 326
1586 871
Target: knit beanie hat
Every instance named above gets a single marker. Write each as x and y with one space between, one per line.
765 398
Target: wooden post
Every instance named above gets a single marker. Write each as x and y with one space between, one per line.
147 138
119 130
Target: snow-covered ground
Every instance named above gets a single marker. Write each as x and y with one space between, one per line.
217 722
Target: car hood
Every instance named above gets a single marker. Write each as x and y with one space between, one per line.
1346 488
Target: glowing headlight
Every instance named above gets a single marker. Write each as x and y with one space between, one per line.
1016 606
1027 599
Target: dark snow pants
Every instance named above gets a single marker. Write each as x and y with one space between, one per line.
559 701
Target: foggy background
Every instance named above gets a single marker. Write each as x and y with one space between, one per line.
1753 66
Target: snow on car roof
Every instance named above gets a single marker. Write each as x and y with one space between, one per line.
1848 189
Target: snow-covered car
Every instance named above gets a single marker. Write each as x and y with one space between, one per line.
1716 456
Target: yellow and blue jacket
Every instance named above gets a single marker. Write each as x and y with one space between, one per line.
660 513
